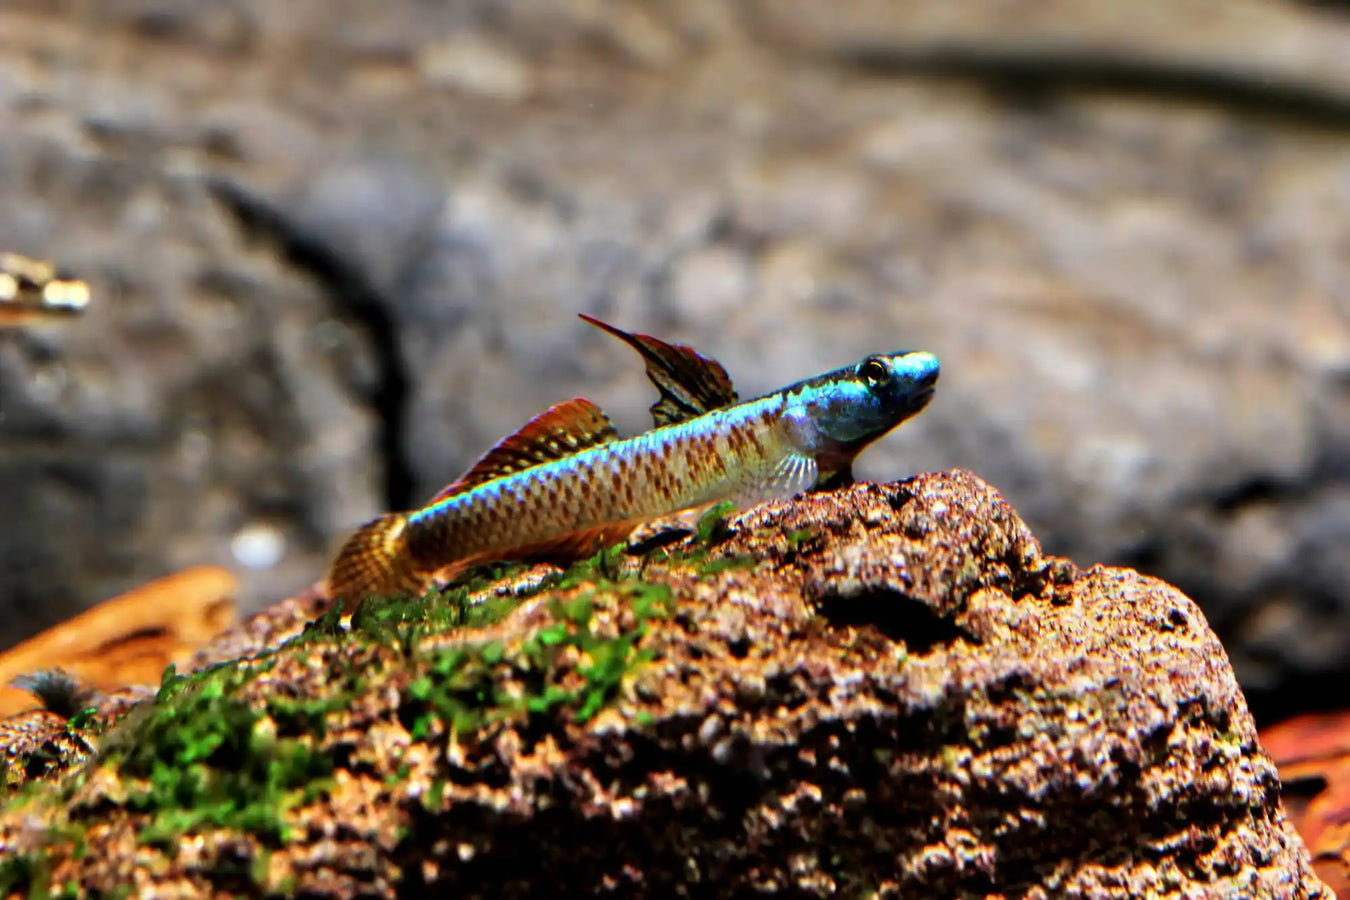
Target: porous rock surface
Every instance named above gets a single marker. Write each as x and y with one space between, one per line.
337 249
887 690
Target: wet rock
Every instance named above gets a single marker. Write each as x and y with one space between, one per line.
338 256
888 688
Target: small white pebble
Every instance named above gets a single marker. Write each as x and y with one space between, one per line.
258 546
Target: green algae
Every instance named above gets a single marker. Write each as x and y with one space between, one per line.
473 684
712 525
726 564
712 529
211 752
27 874
801 537
200 756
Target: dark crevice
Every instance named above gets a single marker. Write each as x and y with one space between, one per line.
897 615
355 298
1252 491
1038 72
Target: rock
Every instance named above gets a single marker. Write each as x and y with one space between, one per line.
337 255
469 63
885 689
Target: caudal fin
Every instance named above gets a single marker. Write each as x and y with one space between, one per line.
374 561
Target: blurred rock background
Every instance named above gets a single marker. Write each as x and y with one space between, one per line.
338 248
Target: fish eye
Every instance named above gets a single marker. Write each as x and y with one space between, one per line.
875 373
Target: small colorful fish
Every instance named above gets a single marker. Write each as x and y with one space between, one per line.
32 290
566 485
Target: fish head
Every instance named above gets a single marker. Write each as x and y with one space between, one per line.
845 410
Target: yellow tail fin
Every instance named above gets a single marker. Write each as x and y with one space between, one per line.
374 561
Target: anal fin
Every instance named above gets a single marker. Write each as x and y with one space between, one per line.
561 551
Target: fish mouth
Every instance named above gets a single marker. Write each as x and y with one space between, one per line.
921 399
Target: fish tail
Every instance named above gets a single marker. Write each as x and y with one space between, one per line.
374 562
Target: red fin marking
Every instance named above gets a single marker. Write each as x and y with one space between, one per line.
690 383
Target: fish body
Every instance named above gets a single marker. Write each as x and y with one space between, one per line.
741 452
32 290
566 485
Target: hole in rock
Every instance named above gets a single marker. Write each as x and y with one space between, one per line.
897 615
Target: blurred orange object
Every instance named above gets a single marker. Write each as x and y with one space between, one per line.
1313 755
129 639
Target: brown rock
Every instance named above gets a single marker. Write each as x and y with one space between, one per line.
37 743
886 690
1121 227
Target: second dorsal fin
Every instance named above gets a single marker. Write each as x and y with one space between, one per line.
559 431
690 383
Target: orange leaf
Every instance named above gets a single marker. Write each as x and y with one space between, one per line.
1313 756
129 639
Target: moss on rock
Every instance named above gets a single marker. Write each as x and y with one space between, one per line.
883 690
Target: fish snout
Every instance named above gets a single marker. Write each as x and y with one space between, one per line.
920 370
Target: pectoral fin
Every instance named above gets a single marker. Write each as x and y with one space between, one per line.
559 431
690 383
791 476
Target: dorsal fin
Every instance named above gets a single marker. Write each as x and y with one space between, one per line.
690 383
559 431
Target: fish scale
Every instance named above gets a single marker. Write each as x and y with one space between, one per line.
565 485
